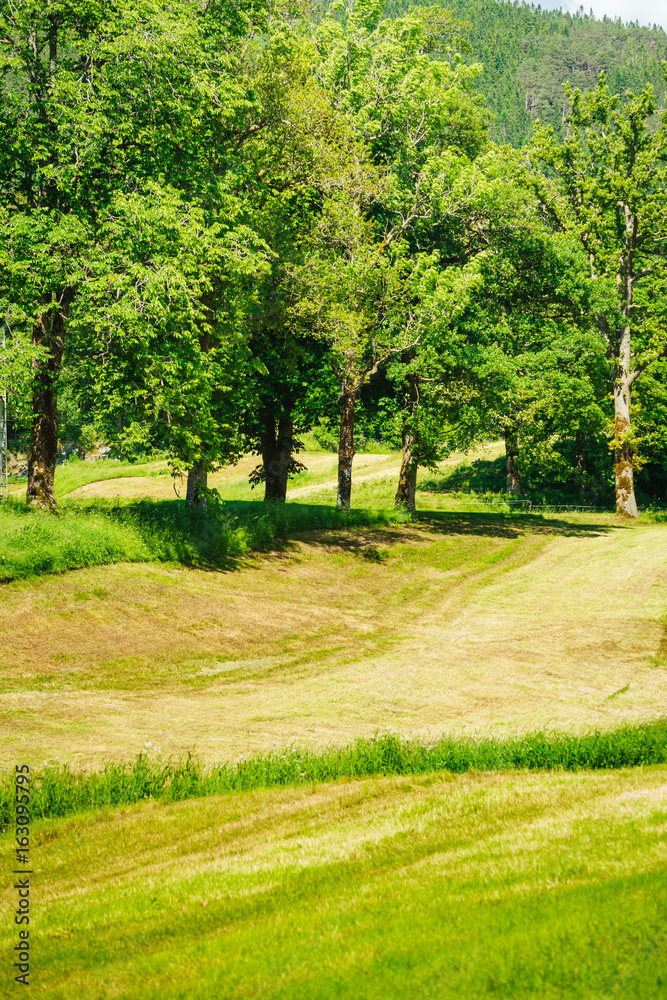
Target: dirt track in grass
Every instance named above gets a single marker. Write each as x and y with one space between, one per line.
464 624
321 468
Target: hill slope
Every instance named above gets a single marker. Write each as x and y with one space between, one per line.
528 53
521 886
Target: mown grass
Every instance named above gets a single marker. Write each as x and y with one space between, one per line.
514 885
72 475
464 624
98 532
59 791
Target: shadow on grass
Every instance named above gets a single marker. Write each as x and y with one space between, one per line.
94 532
225 535
511 525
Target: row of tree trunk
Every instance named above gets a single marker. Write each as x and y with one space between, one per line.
277 439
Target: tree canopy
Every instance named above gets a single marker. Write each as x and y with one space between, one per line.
224 225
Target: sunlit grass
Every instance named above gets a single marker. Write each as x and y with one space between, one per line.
512 885
74 474
59 791
34 542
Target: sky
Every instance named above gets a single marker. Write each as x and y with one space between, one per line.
647 12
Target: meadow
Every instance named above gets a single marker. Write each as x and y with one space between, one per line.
518 886
426 755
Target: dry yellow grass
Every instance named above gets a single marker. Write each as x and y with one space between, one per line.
469 625
320 464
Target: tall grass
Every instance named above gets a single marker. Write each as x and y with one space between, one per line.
97 532
35 542
59 791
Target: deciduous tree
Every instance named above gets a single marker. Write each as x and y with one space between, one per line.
609 190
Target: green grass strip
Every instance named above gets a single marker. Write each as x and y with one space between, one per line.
99 532
59 791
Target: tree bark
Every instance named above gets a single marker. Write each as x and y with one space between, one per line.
276 456
195 492
624 475
346 449
49 333
407 477
513 483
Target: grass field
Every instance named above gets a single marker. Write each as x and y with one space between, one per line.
461 623
114 479
515 886
154 481
250 632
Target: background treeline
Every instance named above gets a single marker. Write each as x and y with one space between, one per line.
527 54
225 225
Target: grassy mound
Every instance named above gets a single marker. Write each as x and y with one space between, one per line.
98 532
58 791
35 542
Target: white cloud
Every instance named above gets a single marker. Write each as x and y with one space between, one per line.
647 12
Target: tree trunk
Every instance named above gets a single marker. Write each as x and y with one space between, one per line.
276 456
626 504
407 477
48 332
624 474
195 493
513 485
346 449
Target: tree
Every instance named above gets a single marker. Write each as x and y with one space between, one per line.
506 342
408 98
350 295
162 358
308 159
435 296
526 348
610 192
96 99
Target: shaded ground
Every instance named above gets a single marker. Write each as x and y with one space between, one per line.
463 623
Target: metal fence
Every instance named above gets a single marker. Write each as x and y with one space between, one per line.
530 505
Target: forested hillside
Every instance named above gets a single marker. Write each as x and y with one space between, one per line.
528 53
